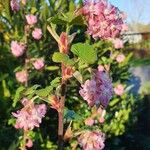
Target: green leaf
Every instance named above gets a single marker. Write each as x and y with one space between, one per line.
44 92
62 58
5 89
33 10
18 95
72 6
3 76
140 62
78 20
67 18
85 52
58 19
113 102
52 68
55 82
59 57
11 121
32 89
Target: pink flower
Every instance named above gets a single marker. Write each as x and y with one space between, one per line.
101 120
17 48
120 58
29 143
88 91
39 64
31 19
15 6
104 20
99 90
118 43
92 140
101 68
30 115
22 76
119 89
89 121
37 33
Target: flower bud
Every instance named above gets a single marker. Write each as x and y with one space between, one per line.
119 89
17 48
38 64
68 134
68 72
15 6
120 58
29 143
89 121
55 102
37 33
31 19
22 76
63 43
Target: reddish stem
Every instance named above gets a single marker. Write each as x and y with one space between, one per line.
61 112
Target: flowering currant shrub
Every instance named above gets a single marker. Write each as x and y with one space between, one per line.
71 73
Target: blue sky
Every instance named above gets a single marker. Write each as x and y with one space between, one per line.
137 10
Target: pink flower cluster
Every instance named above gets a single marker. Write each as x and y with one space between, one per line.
22 76
104 20
15 6
38 64
119 89
30 115
31 19
37 33
92 140
17 48
99 90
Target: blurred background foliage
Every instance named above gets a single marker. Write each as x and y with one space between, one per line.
127 123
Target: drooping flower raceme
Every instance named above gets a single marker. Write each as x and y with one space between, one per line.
15 6
104 20
31 19
99 90
37 33
92 140
22 76
17 48
30 115
38 64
